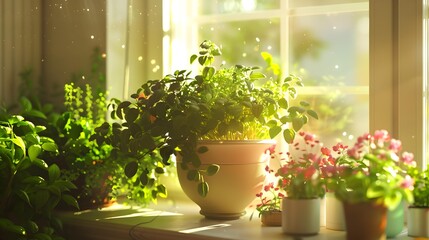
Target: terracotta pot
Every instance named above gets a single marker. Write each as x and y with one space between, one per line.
334 213
241 176
418 222
272 218
301 216
365 220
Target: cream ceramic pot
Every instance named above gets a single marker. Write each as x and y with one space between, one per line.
241 176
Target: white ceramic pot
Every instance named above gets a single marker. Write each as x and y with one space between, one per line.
334 213
418 222
241 176
301 216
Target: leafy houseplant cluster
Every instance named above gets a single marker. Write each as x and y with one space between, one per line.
374 169
30 189
84 161
301 175
421 187
170 115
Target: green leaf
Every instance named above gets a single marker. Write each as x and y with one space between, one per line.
34 151
32 138
274 131
257 75
144 179
212 169
131 169
312 114
50 147
32 227
40 198
257 109
203 189
202 149
54 172
24 196
9 226
376 191
33 180
40 163
193 175
162 191
297 124
20 143
159 170
289 135
69 200
304 103
26 104
131 115
193 57
283 103
35 113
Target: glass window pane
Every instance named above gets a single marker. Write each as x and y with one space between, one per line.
342 117
243 41
333 52
235 6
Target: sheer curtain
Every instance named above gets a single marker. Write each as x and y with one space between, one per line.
20 25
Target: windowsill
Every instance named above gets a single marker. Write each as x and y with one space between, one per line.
175 221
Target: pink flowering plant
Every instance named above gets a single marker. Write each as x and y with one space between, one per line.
270 197
300 174
374 169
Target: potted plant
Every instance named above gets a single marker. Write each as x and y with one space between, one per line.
418 218
302 180
334 213
269 199
373 178
30 189
171 116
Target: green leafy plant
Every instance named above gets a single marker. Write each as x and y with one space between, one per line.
374 169
168 116
30 189
269 199
81 159
421 187
300 174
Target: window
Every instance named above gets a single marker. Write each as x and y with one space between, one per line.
325 42
361 62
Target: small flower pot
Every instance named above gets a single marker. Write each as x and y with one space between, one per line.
301 216
365 220
273 218
418 222
395 221
334 213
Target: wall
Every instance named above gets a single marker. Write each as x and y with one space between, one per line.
71 32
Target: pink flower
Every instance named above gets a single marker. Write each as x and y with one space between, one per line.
408 158
395 145
268 187
382 135
325 151
309 172
408 183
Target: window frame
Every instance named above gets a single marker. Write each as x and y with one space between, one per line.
397 85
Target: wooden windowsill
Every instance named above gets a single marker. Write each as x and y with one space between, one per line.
175 221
